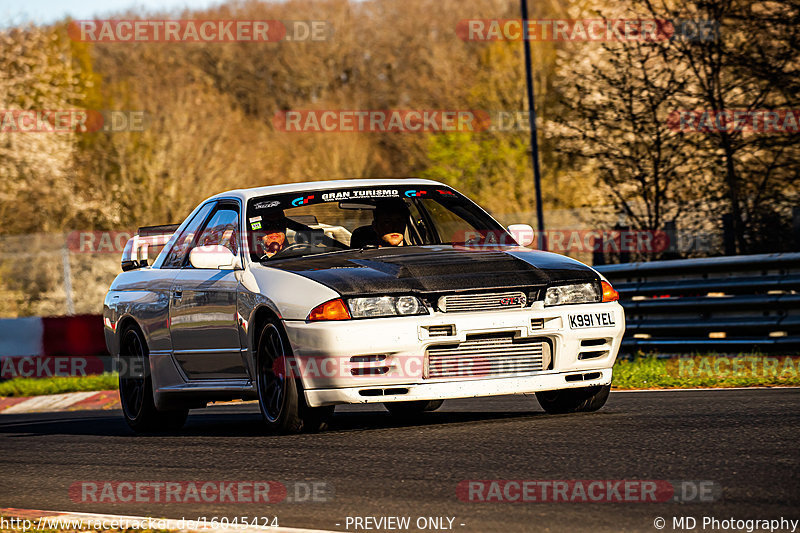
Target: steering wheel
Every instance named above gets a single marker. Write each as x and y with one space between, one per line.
295 246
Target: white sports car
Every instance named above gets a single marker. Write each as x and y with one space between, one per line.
309 295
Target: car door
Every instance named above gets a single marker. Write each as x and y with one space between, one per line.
203 320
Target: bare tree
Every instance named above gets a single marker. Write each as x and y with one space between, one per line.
626 97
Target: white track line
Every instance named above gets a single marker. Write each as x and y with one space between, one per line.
171 524
49 402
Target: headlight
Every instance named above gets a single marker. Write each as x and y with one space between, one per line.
578 293
386 306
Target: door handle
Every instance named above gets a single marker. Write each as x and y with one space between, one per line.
177 292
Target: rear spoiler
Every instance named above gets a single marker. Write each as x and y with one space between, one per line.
135 254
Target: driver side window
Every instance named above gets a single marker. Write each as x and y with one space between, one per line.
222 229
180 250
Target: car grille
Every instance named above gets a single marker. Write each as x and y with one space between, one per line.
484 301
488 355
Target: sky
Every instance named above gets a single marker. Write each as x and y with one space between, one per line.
46 11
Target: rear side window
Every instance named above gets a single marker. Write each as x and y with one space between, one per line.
177 254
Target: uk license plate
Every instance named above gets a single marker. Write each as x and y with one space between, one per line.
591 320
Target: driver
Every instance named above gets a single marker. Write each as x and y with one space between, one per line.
273 233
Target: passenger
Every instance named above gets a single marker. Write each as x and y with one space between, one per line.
389 221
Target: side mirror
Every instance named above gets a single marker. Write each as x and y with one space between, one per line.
522 233
212 257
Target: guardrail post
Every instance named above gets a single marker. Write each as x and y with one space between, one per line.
673 250
67 279
728 236
624 252
598 245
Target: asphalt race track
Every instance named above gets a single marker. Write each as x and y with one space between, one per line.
744 440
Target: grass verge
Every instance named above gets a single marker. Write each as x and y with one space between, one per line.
713 371
57 385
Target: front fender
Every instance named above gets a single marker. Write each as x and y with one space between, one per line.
280 293
291 296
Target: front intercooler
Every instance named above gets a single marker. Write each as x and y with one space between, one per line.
488 355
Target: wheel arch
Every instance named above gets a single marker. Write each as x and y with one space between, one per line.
123 324
261 315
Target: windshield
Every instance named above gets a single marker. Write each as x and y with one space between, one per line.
324 221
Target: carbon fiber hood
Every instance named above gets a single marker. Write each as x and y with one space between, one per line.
434 269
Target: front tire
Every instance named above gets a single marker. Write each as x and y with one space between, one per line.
582 400
136 389
280 394
407 409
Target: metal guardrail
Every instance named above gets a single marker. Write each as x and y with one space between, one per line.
721 304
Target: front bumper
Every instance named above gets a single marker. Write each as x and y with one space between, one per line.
457 389
335 359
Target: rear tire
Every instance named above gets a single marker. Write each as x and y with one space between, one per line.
280 395
406 409
136 388
583 400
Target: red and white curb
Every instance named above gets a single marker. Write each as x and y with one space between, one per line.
70 401
50 517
